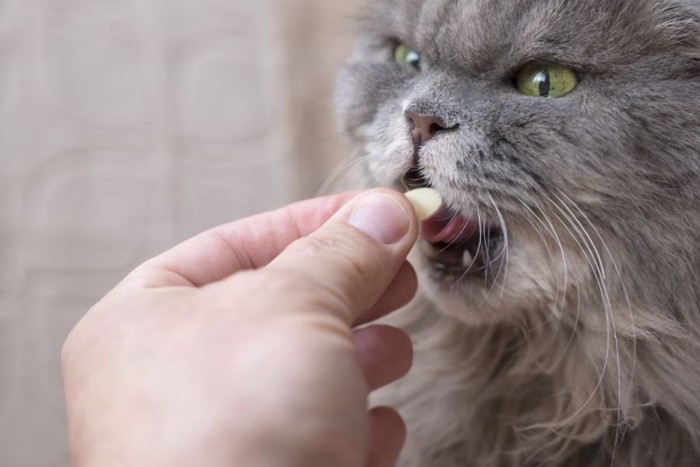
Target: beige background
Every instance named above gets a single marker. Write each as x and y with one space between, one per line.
126 126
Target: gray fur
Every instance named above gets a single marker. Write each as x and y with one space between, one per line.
584 350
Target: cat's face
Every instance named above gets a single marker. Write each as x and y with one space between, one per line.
563 135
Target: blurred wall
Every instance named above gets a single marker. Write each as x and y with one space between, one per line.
125 127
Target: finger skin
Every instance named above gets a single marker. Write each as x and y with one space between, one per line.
399 293
350 270
387 437
314 231
248 243
385 354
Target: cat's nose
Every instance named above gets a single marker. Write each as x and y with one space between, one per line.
424 127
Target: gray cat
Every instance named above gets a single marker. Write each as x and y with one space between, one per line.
559 318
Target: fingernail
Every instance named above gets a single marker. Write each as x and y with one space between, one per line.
380 217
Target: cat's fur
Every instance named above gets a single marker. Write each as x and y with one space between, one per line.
583 348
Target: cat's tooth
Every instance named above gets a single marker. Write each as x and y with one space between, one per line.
426 202
467 258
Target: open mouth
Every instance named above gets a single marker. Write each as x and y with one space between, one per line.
462 246
414 178
456 244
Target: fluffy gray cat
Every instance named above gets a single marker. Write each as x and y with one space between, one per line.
559 319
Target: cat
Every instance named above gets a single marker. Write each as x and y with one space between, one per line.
558 319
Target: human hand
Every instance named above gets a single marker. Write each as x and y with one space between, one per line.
238 347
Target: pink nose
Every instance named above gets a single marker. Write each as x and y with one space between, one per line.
424 127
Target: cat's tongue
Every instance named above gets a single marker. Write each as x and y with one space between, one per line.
448 226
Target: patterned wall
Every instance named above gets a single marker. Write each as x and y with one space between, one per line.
126 126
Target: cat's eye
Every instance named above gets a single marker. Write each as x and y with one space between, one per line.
540 80
405 55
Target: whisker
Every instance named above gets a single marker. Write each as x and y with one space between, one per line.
549 226
620 427
611 326
478 248
338 174
569 224
504 253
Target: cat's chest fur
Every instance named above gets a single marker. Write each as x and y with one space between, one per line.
496 397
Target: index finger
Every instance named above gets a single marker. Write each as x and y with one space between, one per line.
248 243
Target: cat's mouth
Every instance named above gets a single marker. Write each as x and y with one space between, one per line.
462 246
459 245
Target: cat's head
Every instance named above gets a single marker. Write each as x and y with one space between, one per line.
563 135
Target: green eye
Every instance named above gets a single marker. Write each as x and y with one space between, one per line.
539 80
405 55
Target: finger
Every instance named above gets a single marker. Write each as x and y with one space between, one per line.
400 293
387 436
385 354
245 244
347 265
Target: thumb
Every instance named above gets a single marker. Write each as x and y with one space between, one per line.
346 265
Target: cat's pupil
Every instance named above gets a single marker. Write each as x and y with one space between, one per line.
405 55
544 82
413 59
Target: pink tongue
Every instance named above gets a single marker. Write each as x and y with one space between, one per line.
449 227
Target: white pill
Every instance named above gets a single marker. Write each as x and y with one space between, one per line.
426 201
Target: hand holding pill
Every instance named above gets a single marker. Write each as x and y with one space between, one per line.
241 346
